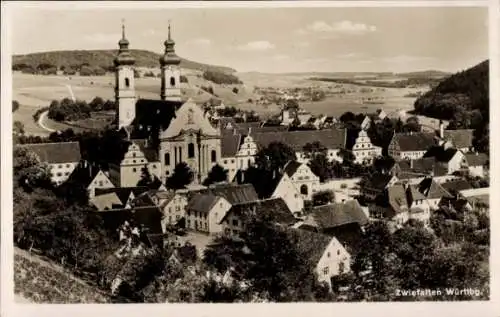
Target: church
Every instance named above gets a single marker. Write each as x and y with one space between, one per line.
163 132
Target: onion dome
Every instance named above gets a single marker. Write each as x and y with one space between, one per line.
169 58
124 57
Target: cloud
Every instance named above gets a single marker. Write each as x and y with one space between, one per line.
402 59
106 38
149 32
342 27
256 46
200 42
281 57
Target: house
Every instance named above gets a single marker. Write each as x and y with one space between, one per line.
477 163
460 139
455 186
363 149
408 201
207 207
411 145
128 171
230 144
304 180
125 195
375 185
90 177
332 139
173 205
324 252
287 190
345 221
451 159
273 209
61 157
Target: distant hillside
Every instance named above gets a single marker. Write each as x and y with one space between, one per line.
425 73
104 59
465 92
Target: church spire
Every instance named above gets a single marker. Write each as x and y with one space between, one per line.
124 57
169 58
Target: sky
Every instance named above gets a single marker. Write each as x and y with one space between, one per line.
273 40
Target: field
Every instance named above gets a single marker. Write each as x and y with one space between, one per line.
39 281
36 91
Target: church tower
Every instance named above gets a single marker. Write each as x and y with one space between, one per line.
170 72
124 83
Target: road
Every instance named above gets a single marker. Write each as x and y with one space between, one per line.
41 124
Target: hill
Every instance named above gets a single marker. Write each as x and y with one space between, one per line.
39 281
104 59
465 93
425 73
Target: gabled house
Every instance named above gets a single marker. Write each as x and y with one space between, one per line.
451 159
324 252
90 177
104 197
363 149
287 190
273 209
230 144
477 164
345 221
460 139
206 208
375 185
411 145
61 157
173 205
304 180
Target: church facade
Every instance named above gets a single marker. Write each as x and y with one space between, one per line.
177 130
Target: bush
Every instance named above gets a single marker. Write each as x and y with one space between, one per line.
235 90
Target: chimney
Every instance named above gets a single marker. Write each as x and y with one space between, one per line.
249 130
441 129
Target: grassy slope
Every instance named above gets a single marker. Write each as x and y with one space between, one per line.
40 281
104 58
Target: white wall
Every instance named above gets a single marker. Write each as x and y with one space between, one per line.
59 173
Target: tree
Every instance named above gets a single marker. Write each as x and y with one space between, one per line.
18 128
29 171
15 105
274 157
412 125
269 259
148 180
217 174
323 197
181 177
235 90
321 167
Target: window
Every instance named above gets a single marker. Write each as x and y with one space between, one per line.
235 222
225 161
338 252
341 267
59 174
235 231
214 156
172 81
100 183
169 209
169 219
177 217
304 190
177 208
133 161
60 166
328 254
68 166
190 150
127 82
325 270
134 154
167 158
66 174
134 170
232 161
153 166
189 213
